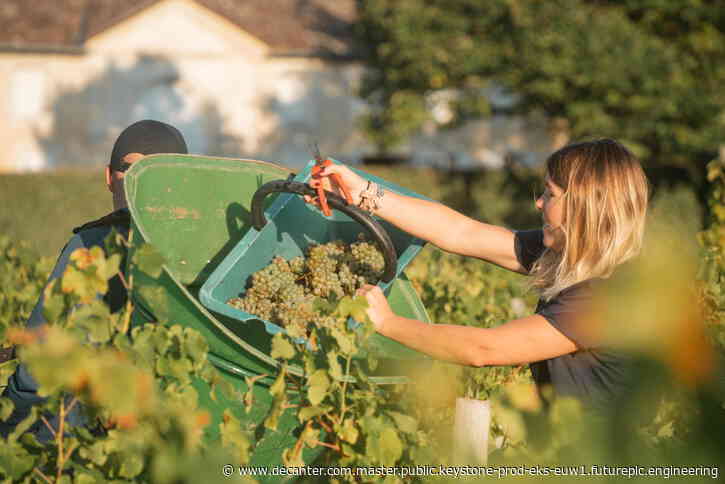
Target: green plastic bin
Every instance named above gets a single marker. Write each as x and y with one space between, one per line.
292 226
194 210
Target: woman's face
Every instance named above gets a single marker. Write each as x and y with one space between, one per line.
552 212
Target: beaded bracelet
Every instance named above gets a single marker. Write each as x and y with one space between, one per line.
371 197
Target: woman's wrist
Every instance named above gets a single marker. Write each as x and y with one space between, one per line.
385 324
371 196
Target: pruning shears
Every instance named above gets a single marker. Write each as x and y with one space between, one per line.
320 164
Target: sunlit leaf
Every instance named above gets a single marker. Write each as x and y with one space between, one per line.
404 422
335 369
318 384
348 432
6 408
281 347
157 300
148 260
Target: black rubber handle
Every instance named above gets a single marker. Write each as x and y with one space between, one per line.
372 226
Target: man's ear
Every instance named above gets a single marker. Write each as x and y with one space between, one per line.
108 178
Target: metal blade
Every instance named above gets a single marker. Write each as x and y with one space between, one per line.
316 152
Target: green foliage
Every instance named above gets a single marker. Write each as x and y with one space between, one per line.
358 422
22 277
136 386
149 260
712 241
135 390
646 72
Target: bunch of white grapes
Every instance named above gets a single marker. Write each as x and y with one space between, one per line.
284 292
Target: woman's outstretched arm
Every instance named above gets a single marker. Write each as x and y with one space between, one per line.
440 225
519 341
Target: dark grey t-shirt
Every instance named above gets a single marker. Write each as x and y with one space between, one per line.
594 374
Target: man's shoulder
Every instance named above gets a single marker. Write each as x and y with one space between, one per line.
92 234
121 219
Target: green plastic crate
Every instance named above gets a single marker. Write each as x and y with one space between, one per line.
292 225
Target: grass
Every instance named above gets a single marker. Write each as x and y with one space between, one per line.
43 208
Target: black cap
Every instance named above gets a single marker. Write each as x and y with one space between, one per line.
146 137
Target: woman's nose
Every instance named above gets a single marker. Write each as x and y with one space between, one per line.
539 203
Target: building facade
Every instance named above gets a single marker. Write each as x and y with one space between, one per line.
244 79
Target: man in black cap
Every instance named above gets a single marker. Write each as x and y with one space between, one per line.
141 138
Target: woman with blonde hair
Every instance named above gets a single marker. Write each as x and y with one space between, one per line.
593 208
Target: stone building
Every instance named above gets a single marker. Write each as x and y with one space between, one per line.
240 78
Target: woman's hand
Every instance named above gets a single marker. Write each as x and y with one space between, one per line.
378 310
352 181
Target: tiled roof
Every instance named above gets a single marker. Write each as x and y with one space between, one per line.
287 26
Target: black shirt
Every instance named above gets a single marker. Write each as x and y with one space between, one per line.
594 374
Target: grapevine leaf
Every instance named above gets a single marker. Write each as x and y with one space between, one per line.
53 304
318 385
95 453
7 369
278 386
309 360
667 430
95 320
83 257
148 260
292 458
307 413
178 368
233 437
281 347
83 477
194 345
82 284
296 330
348 432
512 424
355 307
385 447
156 298
6 408
114 242
131 465
372 362
344 341
323 306
111 266
272 420
310 436
524 396
143 345
64 479
335 367
24 425
405 423
16 461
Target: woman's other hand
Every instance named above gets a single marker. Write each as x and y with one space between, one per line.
379 310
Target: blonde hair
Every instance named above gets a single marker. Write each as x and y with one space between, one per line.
604 211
